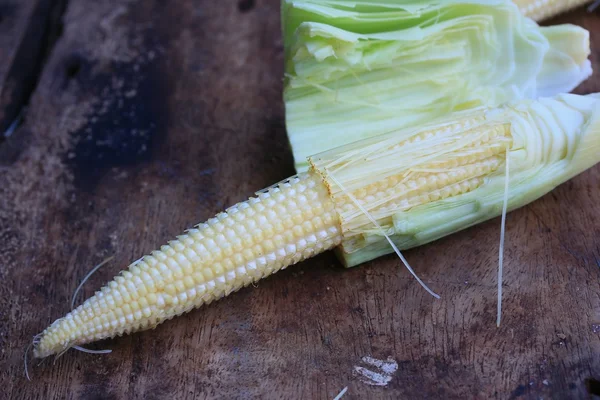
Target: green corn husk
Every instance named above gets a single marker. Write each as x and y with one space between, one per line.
357 69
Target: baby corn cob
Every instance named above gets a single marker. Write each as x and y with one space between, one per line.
539 10
416 185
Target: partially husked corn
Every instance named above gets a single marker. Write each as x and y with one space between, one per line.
279 227
539 10
407 187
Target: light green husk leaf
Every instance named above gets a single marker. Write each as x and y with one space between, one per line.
357 69
549 141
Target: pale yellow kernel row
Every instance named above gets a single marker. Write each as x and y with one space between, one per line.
455 128
420 184
485 144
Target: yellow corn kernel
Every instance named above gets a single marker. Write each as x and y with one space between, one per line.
136 305
539 10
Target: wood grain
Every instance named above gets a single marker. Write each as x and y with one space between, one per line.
151 116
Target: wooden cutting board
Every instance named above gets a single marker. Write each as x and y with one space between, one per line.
151 116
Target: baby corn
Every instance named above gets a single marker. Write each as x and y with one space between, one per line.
410 186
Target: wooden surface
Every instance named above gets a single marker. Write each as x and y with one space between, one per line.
28 30
150 116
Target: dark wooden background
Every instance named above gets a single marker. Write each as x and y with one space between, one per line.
141 118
